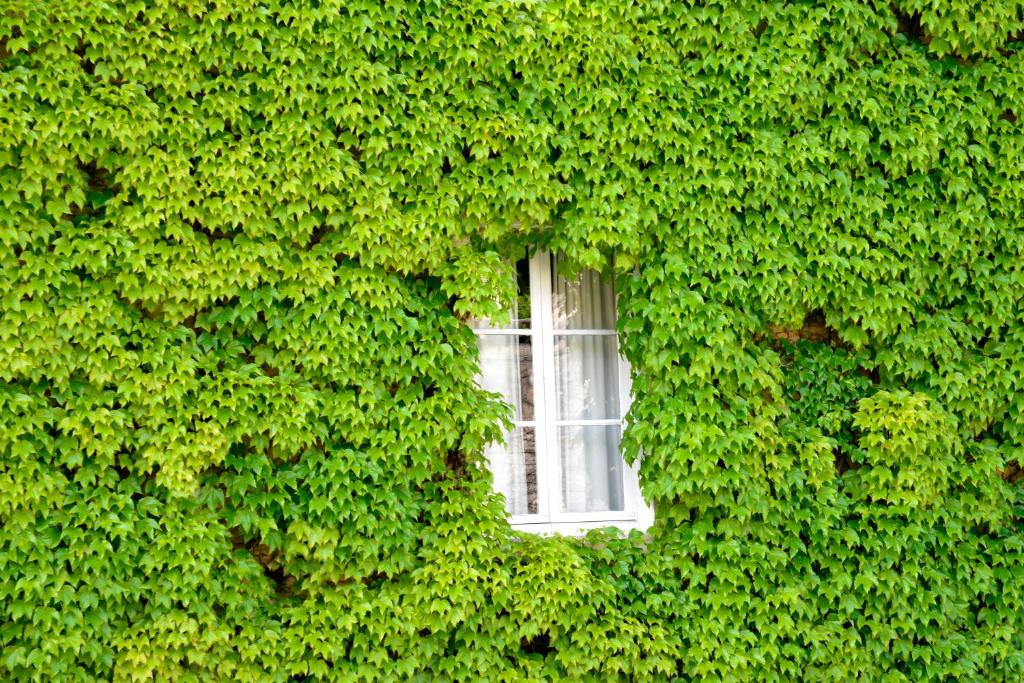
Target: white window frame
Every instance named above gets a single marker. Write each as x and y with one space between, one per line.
636 513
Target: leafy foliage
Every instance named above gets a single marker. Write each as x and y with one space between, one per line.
240 434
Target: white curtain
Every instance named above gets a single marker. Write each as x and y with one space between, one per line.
588 389
504 363
587 302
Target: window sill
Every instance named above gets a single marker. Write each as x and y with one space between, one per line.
578 528
573 528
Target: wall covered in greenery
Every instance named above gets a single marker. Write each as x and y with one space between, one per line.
240 437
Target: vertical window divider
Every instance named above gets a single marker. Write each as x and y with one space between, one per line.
542 377
546 340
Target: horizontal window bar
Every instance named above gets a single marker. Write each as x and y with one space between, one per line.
584 423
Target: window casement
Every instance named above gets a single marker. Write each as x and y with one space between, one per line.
557 363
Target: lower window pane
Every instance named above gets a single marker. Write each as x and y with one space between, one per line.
514 467
591 468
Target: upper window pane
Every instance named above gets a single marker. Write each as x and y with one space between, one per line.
585 302
519 318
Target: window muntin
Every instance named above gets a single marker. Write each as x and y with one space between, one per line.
557 364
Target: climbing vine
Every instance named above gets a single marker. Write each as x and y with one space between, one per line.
240 436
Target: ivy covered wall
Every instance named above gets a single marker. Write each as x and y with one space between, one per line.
239 433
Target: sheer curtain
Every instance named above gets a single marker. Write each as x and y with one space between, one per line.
505 362
587 387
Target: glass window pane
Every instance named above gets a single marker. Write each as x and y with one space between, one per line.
587 377
519 318
506 367
521 315
514 468
586 302
591 468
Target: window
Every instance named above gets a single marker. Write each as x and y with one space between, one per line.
557 364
